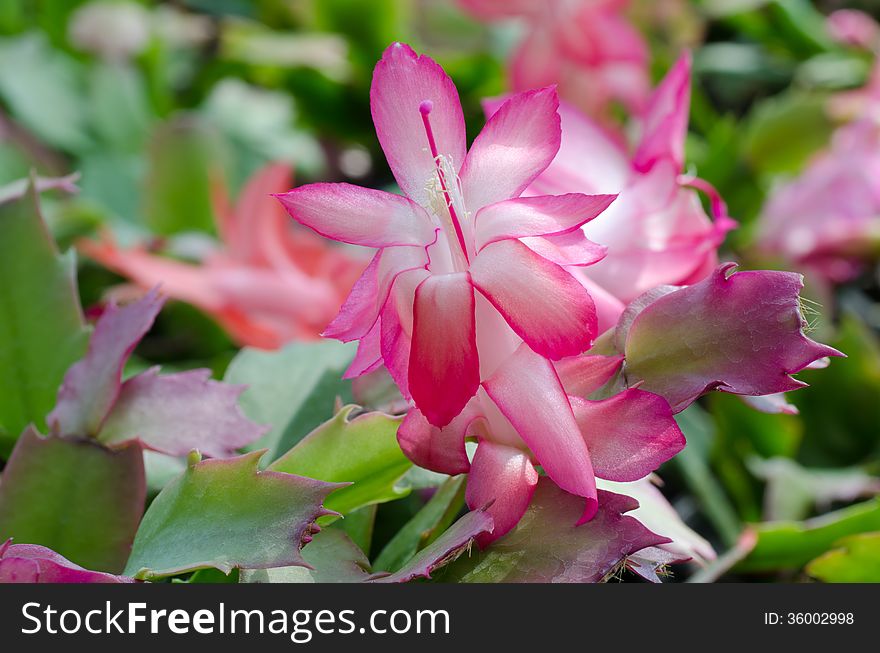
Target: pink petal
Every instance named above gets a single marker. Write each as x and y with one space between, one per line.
369 354
358 313
92 384
628 435
182 281
444 369
251 225
32 563
177 413
369 294
396 320
572 248
590 159
402 80
739 332
545 215
527 391
438 449
656 233
772 404
518 142
360 216
608 307
583 375
505 477
666 120
659 516
544 304
537 61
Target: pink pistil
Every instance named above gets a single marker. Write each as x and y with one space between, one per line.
425 109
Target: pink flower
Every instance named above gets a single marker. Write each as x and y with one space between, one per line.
853 27
828 218
587 47
480 363
461 227
472 306
657 231
266 283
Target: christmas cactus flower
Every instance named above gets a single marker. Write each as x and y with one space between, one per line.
461 247
267 283
472 305
656 232
828 218
587 47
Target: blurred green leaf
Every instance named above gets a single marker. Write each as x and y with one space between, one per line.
784 131
113 181
791 545
425 526
42 331
226 514
119 108
42 88
293 389
693 462
792 491
268 134
840 410
857 560
182 157
76 497
362 451
770 435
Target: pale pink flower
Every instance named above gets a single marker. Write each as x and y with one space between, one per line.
828 218
460 228
587 47
657 231
472 307
480 363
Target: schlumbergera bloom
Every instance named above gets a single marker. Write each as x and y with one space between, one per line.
267 282
827 219
587 47
656 231
468 303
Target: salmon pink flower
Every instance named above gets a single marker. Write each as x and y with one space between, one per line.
657 231
266 282
587 47
461 246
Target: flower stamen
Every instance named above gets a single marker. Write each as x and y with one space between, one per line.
425 109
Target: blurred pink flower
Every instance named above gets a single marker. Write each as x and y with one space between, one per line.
266 282
657 231
853 27
828 218
587 47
